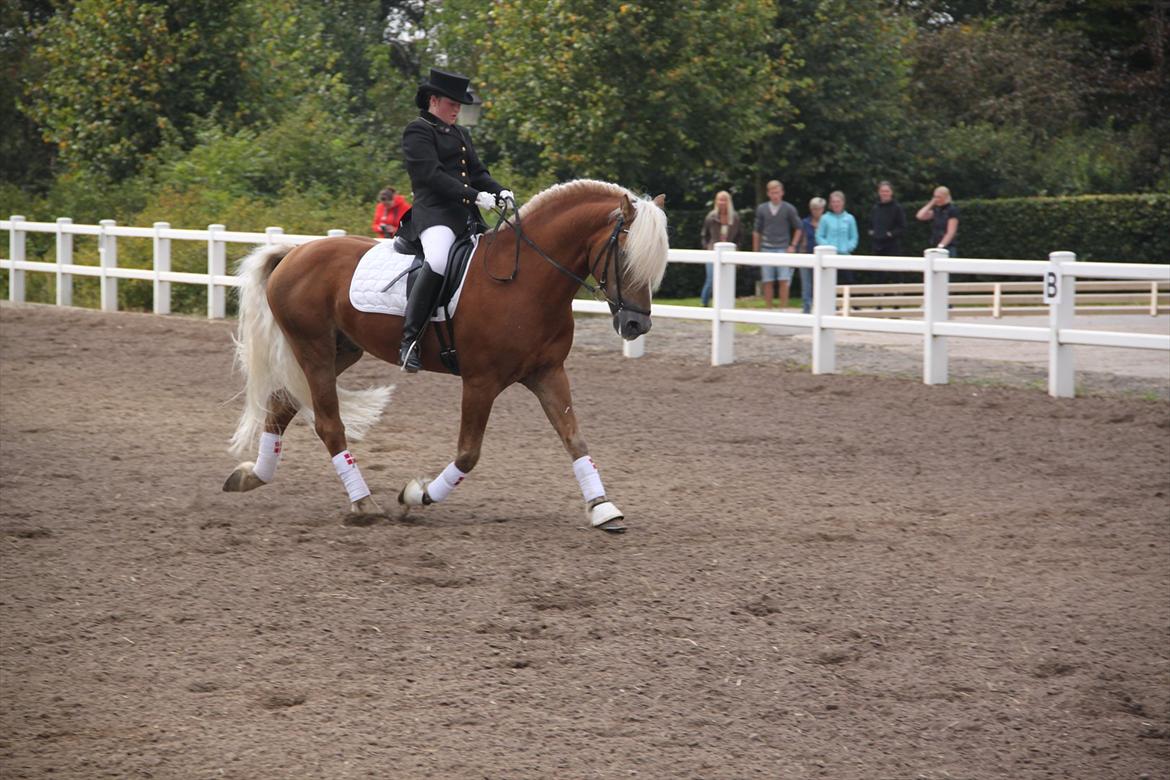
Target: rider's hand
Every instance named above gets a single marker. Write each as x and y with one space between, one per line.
505 196
485 200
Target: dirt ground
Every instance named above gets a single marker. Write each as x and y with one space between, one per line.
842 577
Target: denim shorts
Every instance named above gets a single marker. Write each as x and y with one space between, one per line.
775 273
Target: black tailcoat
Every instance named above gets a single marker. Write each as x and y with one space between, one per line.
445 173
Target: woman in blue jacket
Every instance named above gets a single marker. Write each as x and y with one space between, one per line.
838 228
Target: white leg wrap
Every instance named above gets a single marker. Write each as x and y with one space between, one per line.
588 478
268 457
351 477
441 487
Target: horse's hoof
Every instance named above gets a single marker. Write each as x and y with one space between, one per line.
364 511
607 517
414 494
243 479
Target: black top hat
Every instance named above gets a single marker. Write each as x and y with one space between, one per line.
451 85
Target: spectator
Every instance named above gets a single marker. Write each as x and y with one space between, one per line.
816 208
721 224
388 214
838 228
887 225
943 216
777 230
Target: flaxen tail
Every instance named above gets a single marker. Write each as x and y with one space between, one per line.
269 367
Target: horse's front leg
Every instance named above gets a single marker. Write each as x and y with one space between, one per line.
477 408
551 386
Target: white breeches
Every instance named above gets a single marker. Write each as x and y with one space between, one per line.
437 241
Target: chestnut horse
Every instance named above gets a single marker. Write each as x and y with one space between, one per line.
514 323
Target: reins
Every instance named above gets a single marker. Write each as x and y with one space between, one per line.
610 251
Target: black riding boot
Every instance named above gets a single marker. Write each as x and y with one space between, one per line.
419 305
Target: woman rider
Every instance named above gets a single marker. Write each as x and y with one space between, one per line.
450 186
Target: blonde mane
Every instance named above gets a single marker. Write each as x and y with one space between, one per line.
646 244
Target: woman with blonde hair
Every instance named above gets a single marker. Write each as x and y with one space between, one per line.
721 224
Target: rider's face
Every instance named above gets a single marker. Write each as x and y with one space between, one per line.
445 108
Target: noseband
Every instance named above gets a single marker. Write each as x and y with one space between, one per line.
611 251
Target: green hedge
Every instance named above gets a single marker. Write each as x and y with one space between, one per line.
1104 228
1110 228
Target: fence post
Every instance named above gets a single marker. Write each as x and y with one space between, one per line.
216 266
824 340
935 299
272 235
635 348
335 232
162 265
723 296
64 257
1061 366
108 258
16 238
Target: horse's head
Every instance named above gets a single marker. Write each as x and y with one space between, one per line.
630 265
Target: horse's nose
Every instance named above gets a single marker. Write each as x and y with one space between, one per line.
631 325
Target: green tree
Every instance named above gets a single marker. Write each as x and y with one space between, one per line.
852 101
117 77
25 159
657 94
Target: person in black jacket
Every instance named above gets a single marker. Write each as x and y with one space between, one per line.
887 223
450 186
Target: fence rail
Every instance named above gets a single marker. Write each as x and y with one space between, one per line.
932 323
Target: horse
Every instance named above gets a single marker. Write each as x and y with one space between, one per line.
298 332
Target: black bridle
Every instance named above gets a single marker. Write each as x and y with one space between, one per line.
611 251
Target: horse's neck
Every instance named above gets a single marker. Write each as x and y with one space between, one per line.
565 235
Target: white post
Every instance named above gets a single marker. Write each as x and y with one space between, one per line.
846 300
1061 366
723 296
935 298
16 255
64 257
273 235
335 232
1153 299
997 301
216 266
162 265
108 258
635 348
824 340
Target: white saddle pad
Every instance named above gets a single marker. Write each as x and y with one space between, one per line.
378 268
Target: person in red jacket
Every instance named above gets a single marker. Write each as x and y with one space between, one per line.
388 214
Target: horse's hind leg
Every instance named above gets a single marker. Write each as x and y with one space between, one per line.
318 359
282 409
249 476
551 387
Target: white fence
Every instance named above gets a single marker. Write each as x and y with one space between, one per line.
1059 275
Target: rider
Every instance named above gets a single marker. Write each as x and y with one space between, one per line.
449 184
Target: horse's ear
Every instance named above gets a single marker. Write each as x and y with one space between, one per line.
660 201
627 208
